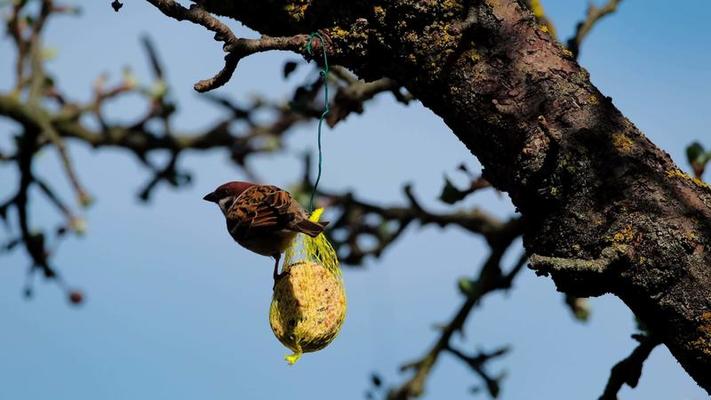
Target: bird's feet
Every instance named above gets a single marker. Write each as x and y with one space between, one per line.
277 278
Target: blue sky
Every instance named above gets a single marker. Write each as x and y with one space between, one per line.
176 310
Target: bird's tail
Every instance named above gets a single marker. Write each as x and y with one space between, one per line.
310 228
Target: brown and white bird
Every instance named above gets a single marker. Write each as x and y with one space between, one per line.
263 218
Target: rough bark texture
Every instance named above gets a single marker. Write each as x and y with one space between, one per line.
606 211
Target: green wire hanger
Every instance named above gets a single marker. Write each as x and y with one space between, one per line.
326 109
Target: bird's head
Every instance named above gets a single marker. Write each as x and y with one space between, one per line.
226 194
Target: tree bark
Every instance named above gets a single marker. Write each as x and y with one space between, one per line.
606 211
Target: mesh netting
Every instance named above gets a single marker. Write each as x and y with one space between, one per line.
309 303
318 249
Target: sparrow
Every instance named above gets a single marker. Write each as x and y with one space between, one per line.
263 218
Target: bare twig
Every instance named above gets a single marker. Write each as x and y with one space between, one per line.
594 15
350 99
477 363
351 223
236 48
629 370
451 194
490 279
47 128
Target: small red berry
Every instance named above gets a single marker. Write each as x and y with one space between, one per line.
76 297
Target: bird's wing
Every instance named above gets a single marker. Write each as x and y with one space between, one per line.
261 207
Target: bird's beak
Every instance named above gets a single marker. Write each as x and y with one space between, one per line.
210 197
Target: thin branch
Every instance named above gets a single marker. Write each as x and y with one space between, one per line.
451 194
54 198
629 370
34 242
350 99
236 48
48 129
156 64
490 279
37 86
16 26
352 223
477 363
594 15
134 139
